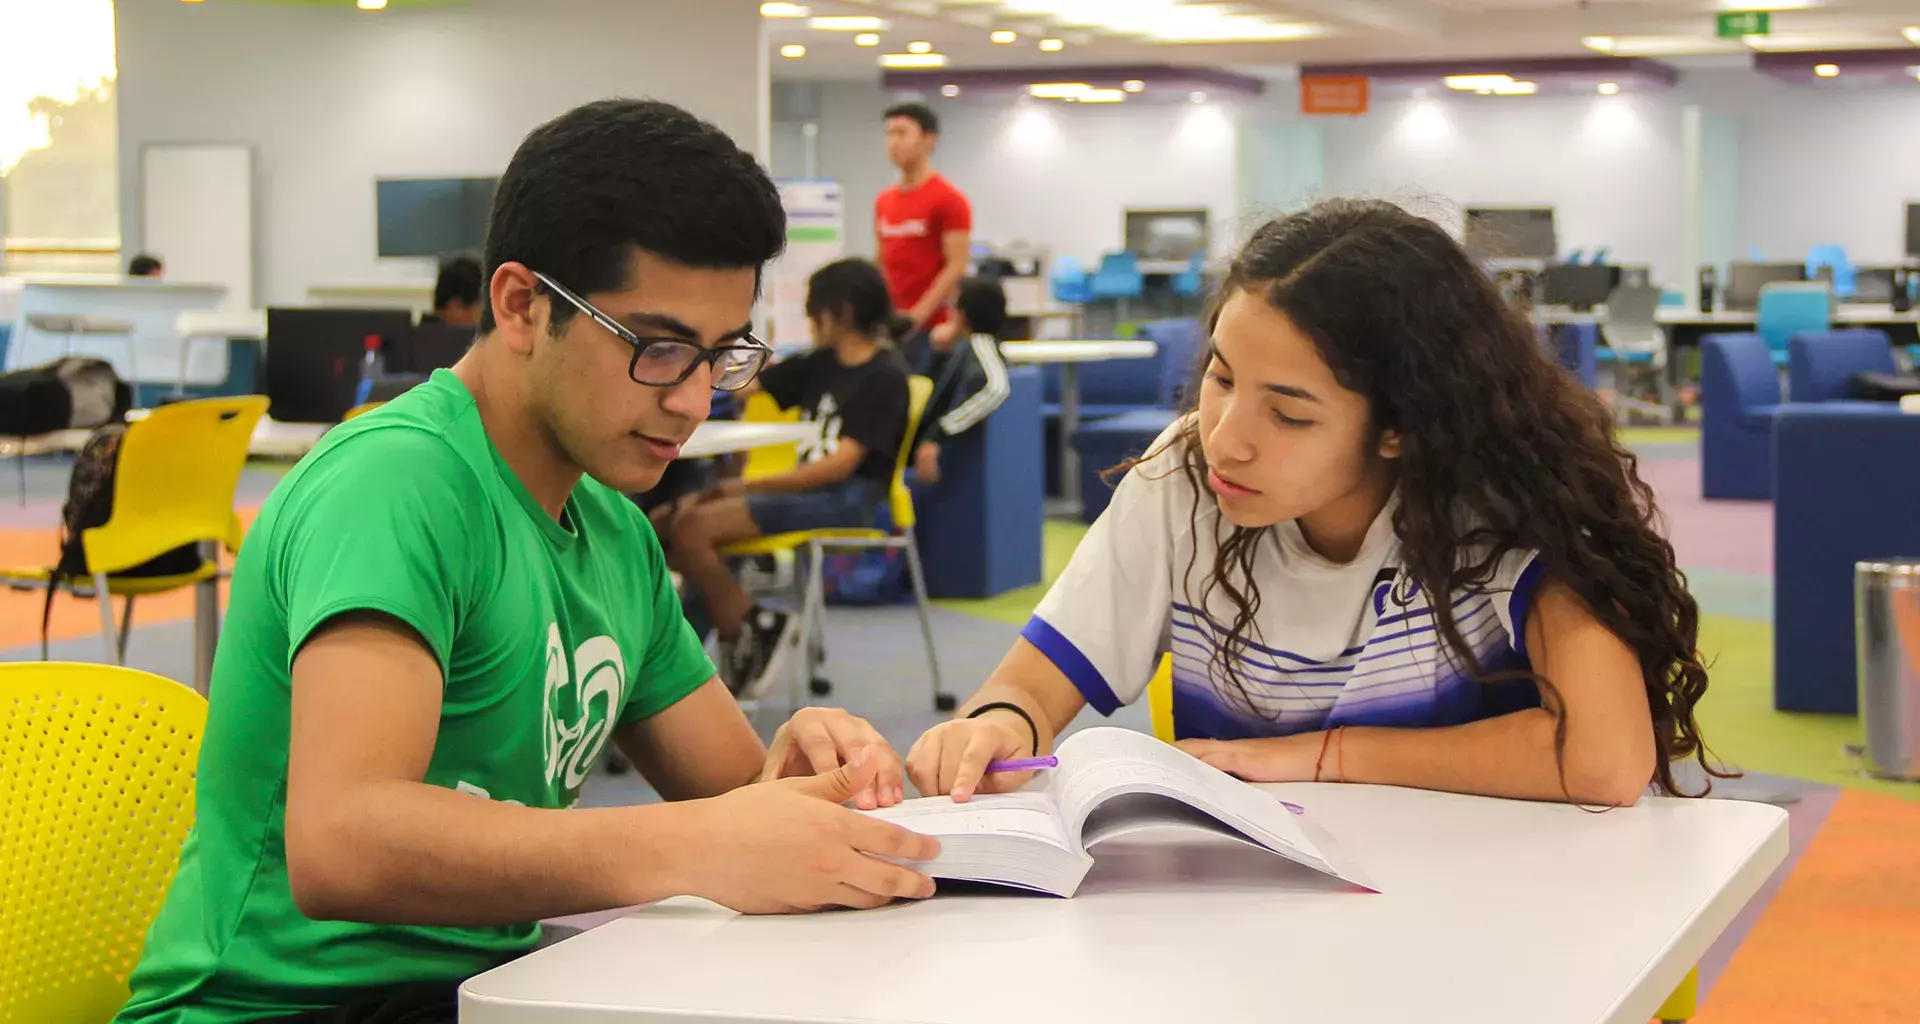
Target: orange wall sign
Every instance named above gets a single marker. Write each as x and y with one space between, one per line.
1333 94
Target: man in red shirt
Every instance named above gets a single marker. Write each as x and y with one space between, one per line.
924 224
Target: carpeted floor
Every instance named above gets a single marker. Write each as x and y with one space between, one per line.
1834 937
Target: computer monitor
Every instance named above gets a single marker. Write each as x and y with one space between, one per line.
1872 285
1511 233
1579 285
435 346
432 216
1744 281
314 357
1913 229
1166 235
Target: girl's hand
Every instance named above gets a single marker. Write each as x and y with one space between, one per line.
1269 759
952 757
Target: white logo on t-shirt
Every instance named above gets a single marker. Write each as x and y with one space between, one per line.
903 228
827 414
582 700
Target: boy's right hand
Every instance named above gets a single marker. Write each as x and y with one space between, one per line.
789 846
951 758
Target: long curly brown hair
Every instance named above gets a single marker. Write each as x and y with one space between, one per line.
1500 450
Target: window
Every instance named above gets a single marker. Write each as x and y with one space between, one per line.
59 172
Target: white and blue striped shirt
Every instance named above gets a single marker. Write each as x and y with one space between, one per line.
1331 644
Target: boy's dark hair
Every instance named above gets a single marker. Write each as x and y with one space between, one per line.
143 265
853 290
587 188
918 113
984 303
459 280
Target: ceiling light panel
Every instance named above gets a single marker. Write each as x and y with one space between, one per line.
1165 21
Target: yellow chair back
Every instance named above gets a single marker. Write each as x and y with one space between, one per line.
1160 699
175 480
361 410
774 459
899 497
99 766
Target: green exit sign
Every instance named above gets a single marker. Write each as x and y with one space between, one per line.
1734 24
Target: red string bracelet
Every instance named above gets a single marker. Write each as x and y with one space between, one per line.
1325 738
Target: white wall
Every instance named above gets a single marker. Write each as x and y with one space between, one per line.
333 98
1051 174
1609 165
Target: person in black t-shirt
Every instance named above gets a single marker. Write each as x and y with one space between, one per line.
854 384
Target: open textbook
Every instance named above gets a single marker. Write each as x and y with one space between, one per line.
1110 783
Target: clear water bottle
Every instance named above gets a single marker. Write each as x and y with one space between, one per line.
372 368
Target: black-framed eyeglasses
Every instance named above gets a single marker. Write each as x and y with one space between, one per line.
665 362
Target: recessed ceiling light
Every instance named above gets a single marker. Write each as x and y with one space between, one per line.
919 46
784 10
1756 42
1609 88
1827 70
949 90
1476 83
913 60
1197 97
1052 45
372 5
793 50
847 23
1603 44
1912 32
1100 96
1004 36
1057 90
1133 85
1516 89
867 39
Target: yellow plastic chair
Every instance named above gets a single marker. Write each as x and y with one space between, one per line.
99 765
174 483
816 543
1679 1007
361 410
771 460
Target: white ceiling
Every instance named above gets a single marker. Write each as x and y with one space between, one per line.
1344 30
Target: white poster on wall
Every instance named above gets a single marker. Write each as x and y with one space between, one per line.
816 236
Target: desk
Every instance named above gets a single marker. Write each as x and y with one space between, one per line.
152 308
1069 354
1844 315
1491 911
275 440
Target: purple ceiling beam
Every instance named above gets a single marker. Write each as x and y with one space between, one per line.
1797 66
1639 69
1159 77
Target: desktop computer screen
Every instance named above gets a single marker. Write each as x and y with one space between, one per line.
1872 285
1913 229
1166 235
1579 285
314 357
1511 233
1744 281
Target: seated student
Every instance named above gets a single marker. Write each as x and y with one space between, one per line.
970 379
1393 544
854 383
146 265
447 610
457 293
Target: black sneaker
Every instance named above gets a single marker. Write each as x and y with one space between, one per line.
759 656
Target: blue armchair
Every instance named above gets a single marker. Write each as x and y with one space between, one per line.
1846 484
1739 395
1788 308
1821 364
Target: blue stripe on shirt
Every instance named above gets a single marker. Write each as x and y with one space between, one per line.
1074 665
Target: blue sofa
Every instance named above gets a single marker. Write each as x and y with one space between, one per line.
1846 489
1577 348
1739 396
1124 385
980 526
1821 364
1105 444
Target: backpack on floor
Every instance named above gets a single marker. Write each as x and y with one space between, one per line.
90 504
868 576
72 392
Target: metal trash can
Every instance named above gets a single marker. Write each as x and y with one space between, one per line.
1886 609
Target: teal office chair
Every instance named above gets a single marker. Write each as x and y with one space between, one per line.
1789 307
1188 283
1119 279
1832 258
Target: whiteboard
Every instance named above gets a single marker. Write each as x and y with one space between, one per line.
196 203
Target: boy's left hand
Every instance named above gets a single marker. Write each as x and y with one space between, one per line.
1268 759
816 741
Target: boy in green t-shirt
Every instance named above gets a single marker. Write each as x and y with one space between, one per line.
446 611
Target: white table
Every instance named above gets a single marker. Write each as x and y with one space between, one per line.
276 440
1069 354
1490 911
1846 314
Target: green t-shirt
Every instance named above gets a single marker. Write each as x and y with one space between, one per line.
548 635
